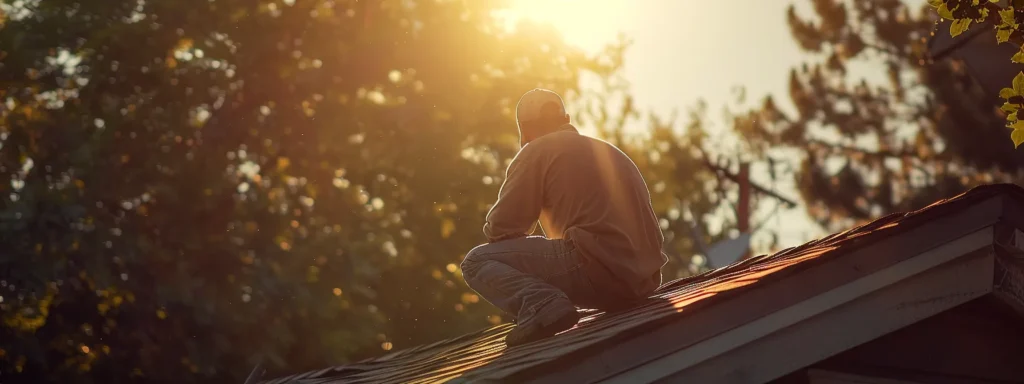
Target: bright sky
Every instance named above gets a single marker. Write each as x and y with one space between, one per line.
686 50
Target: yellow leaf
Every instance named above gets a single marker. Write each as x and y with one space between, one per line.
1003 35
1018 83
1018 57
1017 125
1009 108
935 3
1006 16
959 26
1007 93
944 12
1017 136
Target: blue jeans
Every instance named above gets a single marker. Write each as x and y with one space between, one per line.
521 276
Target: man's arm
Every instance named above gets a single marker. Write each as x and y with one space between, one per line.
520 198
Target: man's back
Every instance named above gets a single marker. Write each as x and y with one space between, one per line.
603 243
593 195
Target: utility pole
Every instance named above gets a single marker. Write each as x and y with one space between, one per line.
728 251
743 210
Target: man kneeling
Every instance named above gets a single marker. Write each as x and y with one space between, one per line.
602 243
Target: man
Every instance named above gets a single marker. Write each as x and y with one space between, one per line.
602 247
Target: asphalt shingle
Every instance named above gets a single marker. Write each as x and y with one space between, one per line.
482 356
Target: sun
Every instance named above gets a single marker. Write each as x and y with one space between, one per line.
588 24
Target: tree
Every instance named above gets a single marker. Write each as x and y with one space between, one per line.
1007 23
868 148
200 186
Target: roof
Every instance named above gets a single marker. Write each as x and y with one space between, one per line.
482 356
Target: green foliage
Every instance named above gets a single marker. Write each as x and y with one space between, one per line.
1014 102
1007 25
192 187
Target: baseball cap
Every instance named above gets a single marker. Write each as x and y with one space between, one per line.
539 103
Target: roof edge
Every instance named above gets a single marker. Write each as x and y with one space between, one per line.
971 254
794 285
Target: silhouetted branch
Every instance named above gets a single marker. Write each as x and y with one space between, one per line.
724 173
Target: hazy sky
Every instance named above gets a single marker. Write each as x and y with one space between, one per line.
686 50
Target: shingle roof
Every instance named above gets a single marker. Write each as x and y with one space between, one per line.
482 356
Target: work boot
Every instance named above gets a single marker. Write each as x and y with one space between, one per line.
556 316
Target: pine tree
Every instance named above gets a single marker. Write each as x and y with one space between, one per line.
870 148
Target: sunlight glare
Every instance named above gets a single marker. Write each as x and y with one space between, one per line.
588 24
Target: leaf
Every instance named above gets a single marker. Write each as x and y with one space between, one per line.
1009 108
935 3
1003 35
1018 83
1018 57
944 12
1017 136
1006 16
959 26
1007 93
